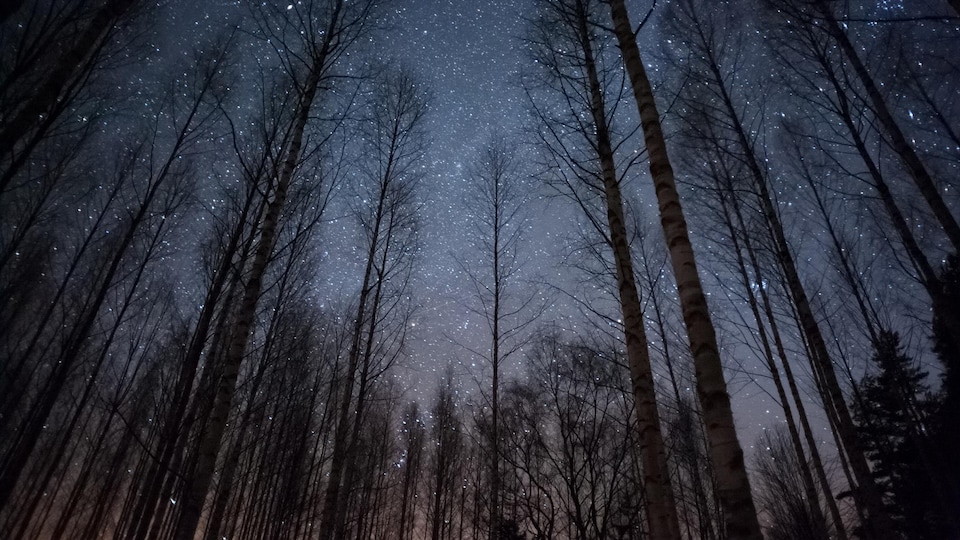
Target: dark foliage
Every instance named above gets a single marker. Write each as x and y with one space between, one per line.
947 435
892 421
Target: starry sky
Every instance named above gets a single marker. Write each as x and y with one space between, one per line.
470 55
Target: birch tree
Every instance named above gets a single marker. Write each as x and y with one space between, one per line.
578 136
725 450
386 210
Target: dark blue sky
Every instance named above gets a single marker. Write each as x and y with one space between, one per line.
470 55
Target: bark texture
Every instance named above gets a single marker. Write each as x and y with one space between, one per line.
733 486
659 500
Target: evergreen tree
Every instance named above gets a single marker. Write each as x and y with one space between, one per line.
510 530
891 419
946 436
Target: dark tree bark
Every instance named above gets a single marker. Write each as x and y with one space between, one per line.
341 26
45 103
710 115
898 140
151 203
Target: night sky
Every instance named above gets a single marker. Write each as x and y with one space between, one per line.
471 56
212 231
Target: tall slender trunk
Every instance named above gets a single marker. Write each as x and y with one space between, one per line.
725 451
868 494
731 209
868 312
350 466
802 415
700 500
38 415
495 361
658 498
397 118
329 517
866 491
232 462
734 122
411 471
199 484
14 380
68 514
59 450
437 502
101 504
928 277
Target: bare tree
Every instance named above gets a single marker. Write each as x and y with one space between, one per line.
793 516
823 11
413 438
725 450
496 204
387 214
809 51
593 448
578 72
332 27
716 81
444 458
162 183
37 101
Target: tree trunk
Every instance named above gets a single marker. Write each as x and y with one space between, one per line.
867 491
868 495
767 351
804 420
232 462
735 123
658 498
725 451
36 422
330 514
197 486
495 405
495 364
929 277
